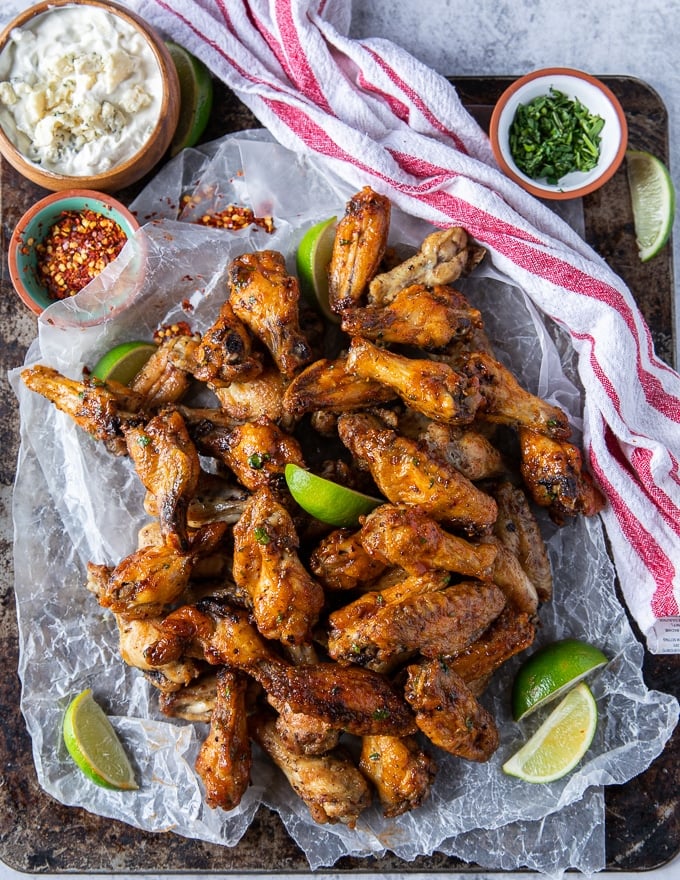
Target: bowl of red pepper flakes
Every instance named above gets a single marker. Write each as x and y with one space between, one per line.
63 242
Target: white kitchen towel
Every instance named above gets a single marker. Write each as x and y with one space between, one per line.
382 118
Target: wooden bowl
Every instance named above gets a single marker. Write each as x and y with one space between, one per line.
140 159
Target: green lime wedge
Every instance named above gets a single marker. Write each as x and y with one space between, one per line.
328 501
94 745
653 198
312 259
551 671
560 742
123 362
196 98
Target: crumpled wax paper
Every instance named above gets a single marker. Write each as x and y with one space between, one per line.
74 503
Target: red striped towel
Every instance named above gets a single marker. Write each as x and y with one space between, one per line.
382 118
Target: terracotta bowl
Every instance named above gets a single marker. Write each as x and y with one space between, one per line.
139 160
35 225
594 95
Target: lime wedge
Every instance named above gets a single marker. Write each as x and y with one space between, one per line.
328 501
312 258
94 745
551 671
123 362
560 742
196 98
653 197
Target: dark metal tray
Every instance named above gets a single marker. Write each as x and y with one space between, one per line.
39 835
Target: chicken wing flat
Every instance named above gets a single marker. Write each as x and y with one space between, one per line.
259 397
406 472
404 535
400 770
434 623
468 450
265 298
167 463
305 734
443 257
425 317
330 785
434 389
506 402
358 249
517 528
194 702
225 758
225 351
286 598
329 385
553 473
448 713
166 376
509 575
340 562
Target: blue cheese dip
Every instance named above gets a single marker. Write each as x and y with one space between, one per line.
80 90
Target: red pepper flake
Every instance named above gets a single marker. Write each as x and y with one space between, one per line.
232 217
170 331
76 249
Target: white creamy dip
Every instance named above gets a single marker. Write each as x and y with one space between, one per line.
80 90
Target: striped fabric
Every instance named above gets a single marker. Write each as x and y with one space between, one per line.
382 118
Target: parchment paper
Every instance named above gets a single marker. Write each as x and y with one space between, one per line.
75 503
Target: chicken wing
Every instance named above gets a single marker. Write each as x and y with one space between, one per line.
225 351
259 397
431 388
167 463
443 257
468 450
340 562
425 317
506 402
286 599
404 535
225 758
553 473
329 385
166 376
330 785
509 575
400 770
194 702
448 713
265 298
358 249
406 472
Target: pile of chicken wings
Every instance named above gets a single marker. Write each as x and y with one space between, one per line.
345 654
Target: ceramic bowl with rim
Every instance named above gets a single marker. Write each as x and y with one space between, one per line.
144 120
35 225
576 85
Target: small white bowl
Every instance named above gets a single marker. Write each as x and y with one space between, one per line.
577 85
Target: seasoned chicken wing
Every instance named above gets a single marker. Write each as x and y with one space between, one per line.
167 463
194 702
468 450
286 598
265 298
225 758
329 385
259 397
358 249
429 318
400 770
448 713
406 472
553 473
225 351
443 257
340 562
509 575
331 785
434 389
166 376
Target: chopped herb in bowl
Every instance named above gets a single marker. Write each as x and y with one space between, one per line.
553 135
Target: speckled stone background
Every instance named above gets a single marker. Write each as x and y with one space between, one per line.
485 37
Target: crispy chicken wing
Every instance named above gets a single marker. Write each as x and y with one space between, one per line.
553 473
329 385
431 388
400 770
167 463
265 298
286 598
407 472
194 702
506 402
259 397
448 713
225 351
468 450
359 246
166 376
429 318
509 575
443 257
340 562
225 758
331 786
